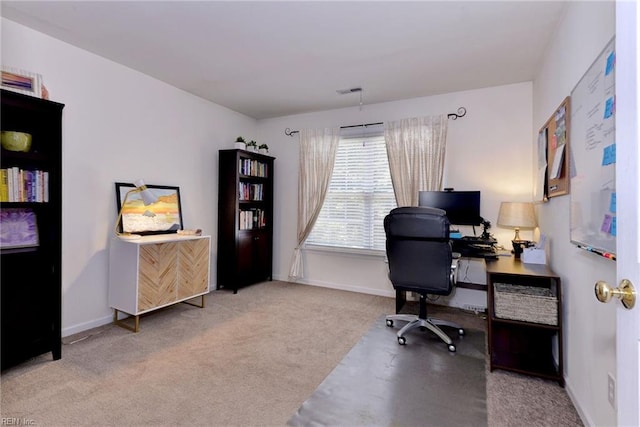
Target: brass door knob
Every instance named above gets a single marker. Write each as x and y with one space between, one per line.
625 292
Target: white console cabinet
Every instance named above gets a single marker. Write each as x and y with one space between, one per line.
156 271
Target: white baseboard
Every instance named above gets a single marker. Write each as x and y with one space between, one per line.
340 286
81 327
467 300
585 419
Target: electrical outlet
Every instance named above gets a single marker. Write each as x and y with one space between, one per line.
612 391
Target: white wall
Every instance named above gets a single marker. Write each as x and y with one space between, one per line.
119 125
488 149
589 326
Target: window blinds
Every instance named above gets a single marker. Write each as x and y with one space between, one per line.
360 195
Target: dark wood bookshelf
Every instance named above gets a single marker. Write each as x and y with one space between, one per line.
31 276
245 251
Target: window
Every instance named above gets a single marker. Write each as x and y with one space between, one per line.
360 195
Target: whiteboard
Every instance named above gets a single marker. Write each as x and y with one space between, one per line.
593 156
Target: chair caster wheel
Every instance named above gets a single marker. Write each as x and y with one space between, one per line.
452 348
390 323
403 341
460 331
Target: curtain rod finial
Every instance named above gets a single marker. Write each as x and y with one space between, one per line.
461 113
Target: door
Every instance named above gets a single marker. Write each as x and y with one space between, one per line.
627 180
262 256
193 267
254 256
246 262
157 275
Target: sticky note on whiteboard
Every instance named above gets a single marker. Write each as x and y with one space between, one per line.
614 227
609 107
611 62
606 224
612 203
609 155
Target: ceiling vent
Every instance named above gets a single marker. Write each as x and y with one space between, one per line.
346 91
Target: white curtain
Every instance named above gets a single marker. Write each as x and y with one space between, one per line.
416 152
318 149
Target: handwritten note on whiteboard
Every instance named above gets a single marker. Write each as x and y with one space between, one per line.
593 154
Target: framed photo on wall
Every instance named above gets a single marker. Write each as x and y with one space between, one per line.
162 217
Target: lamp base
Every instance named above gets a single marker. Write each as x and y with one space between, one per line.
518 246
129 236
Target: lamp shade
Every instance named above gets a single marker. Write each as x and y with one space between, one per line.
517 215
148 196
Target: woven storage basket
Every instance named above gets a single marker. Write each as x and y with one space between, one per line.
525 303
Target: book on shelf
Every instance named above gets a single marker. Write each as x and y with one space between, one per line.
18 185
4 185
251 167
252 218
248 191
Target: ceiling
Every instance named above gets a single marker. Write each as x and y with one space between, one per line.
269 59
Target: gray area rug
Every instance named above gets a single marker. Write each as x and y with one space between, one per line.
381 383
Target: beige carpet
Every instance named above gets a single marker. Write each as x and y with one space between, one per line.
249 359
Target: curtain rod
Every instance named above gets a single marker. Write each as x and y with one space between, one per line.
453 116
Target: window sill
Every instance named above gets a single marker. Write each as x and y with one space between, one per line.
368 253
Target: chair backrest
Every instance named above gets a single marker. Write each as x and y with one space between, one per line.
419 250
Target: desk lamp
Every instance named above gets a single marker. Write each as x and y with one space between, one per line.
517 215
148 198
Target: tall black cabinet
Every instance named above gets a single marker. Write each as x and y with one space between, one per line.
31 226
245 218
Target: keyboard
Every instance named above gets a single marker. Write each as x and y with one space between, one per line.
473 240
475 247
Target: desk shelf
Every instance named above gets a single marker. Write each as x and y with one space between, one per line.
524 346
469 285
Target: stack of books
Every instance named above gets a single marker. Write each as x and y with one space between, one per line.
18 185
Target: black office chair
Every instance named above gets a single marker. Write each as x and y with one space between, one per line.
420 261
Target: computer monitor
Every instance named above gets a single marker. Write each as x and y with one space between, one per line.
462 207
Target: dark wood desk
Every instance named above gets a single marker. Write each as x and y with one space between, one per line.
524 345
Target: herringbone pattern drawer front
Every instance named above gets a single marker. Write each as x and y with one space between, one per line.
193 268
157 275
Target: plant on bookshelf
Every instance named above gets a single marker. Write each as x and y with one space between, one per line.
240 143
252 145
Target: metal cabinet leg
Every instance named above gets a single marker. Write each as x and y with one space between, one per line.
201 305
122 324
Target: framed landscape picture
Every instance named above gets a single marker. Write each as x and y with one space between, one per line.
162 217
